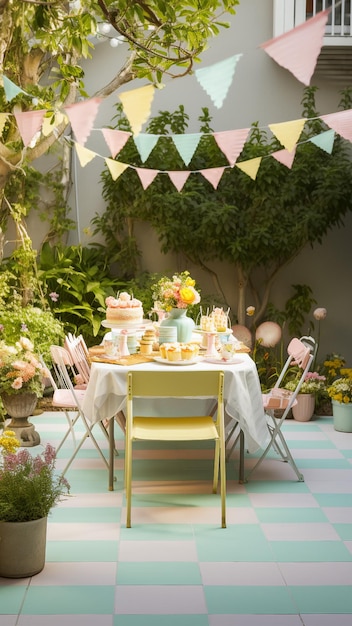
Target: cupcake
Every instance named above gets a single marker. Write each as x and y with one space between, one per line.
173 352
189 351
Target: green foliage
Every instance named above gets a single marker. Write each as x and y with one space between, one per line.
38 325
77 280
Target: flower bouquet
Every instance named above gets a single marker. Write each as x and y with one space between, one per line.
341 390
177 292
20 369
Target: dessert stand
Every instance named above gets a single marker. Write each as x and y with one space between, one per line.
126 330
210 336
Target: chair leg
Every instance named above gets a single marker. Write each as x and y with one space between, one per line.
223 484
88 433
128 481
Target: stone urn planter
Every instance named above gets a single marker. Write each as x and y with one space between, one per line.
19 407
304 409
22 548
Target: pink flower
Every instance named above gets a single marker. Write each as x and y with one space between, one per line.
17 383
54 296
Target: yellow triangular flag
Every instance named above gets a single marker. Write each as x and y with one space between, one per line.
288 132
3 118
48 126
250 167
116 168
84 155
137 106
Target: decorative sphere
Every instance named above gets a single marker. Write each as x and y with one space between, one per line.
114 43
242 333
269 334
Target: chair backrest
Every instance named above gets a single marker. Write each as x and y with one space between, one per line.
204 384
64 369
77 348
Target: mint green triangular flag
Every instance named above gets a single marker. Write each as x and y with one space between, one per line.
145 144
216 79
325 140
11 90
186 145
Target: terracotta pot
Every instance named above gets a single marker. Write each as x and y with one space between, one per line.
304 409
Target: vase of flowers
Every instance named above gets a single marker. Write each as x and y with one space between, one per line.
310 393
176 296
21 384
29 488
340 392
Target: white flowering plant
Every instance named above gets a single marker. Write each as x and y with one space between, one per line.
313 383
341 389
20 368
177 292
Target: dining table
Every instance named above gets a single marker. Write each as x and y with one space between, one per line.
105 397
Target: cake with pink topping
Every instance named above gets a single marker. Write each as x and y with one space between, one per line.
124 310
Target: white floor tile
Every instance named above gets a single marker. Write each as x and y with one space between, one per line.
317 573
241 574
338 515
83 532
76 574
286 500
255 620
159 600
300 532
134 551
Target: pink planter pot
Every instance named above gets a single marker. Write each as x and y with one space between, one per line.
304 409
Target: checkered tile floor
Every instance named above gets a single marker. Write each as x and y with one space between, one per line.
285 558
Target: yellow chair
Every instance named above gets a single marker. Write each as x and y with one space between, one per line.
180 384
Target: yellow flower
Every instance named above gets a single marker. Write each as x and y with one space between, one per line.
187 295
9 442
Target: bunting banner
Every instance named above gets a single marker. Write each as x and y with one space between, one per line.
115 168
325 140
51 123
213 175
217 78
146 176
231 143
11 90
145 144
85 156
82 116
29 123
288 132
340 122
115 139
178 178
298 49
285 157
186 145
137 106
250 167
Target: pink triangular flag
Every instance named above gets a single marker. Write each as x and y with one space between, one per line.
29 122
340 122
231 143
179 178
146 176
285 157
298 50
115 139
213 175
82 116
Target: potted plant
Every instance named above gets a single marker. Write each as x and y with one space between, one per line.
21 384
311 392
340 392
29 488
176 295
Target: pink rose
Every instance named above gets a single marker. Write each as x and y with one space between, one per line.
320 314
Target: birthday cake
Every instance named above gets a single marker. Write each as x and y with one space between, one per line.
124 310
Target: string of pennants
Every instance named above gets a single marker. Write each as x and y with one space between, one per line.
296 50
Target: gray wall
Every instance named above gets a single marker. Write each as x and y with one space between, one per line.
261 91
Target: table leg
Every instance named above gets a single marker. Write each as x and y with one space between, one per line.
111 453
241 468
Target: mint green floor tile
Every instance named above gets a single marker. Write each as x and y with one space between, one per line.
161 620
237 543
69 600
309 551
85 514
313 599
347 453
300 427
309 444
176 469
157 532
344 531
288 514
81 551
158 573
249 600
323 464
11 598
277 486
334 499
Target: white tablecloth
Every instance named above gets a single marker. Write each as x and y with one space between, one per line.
106 395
